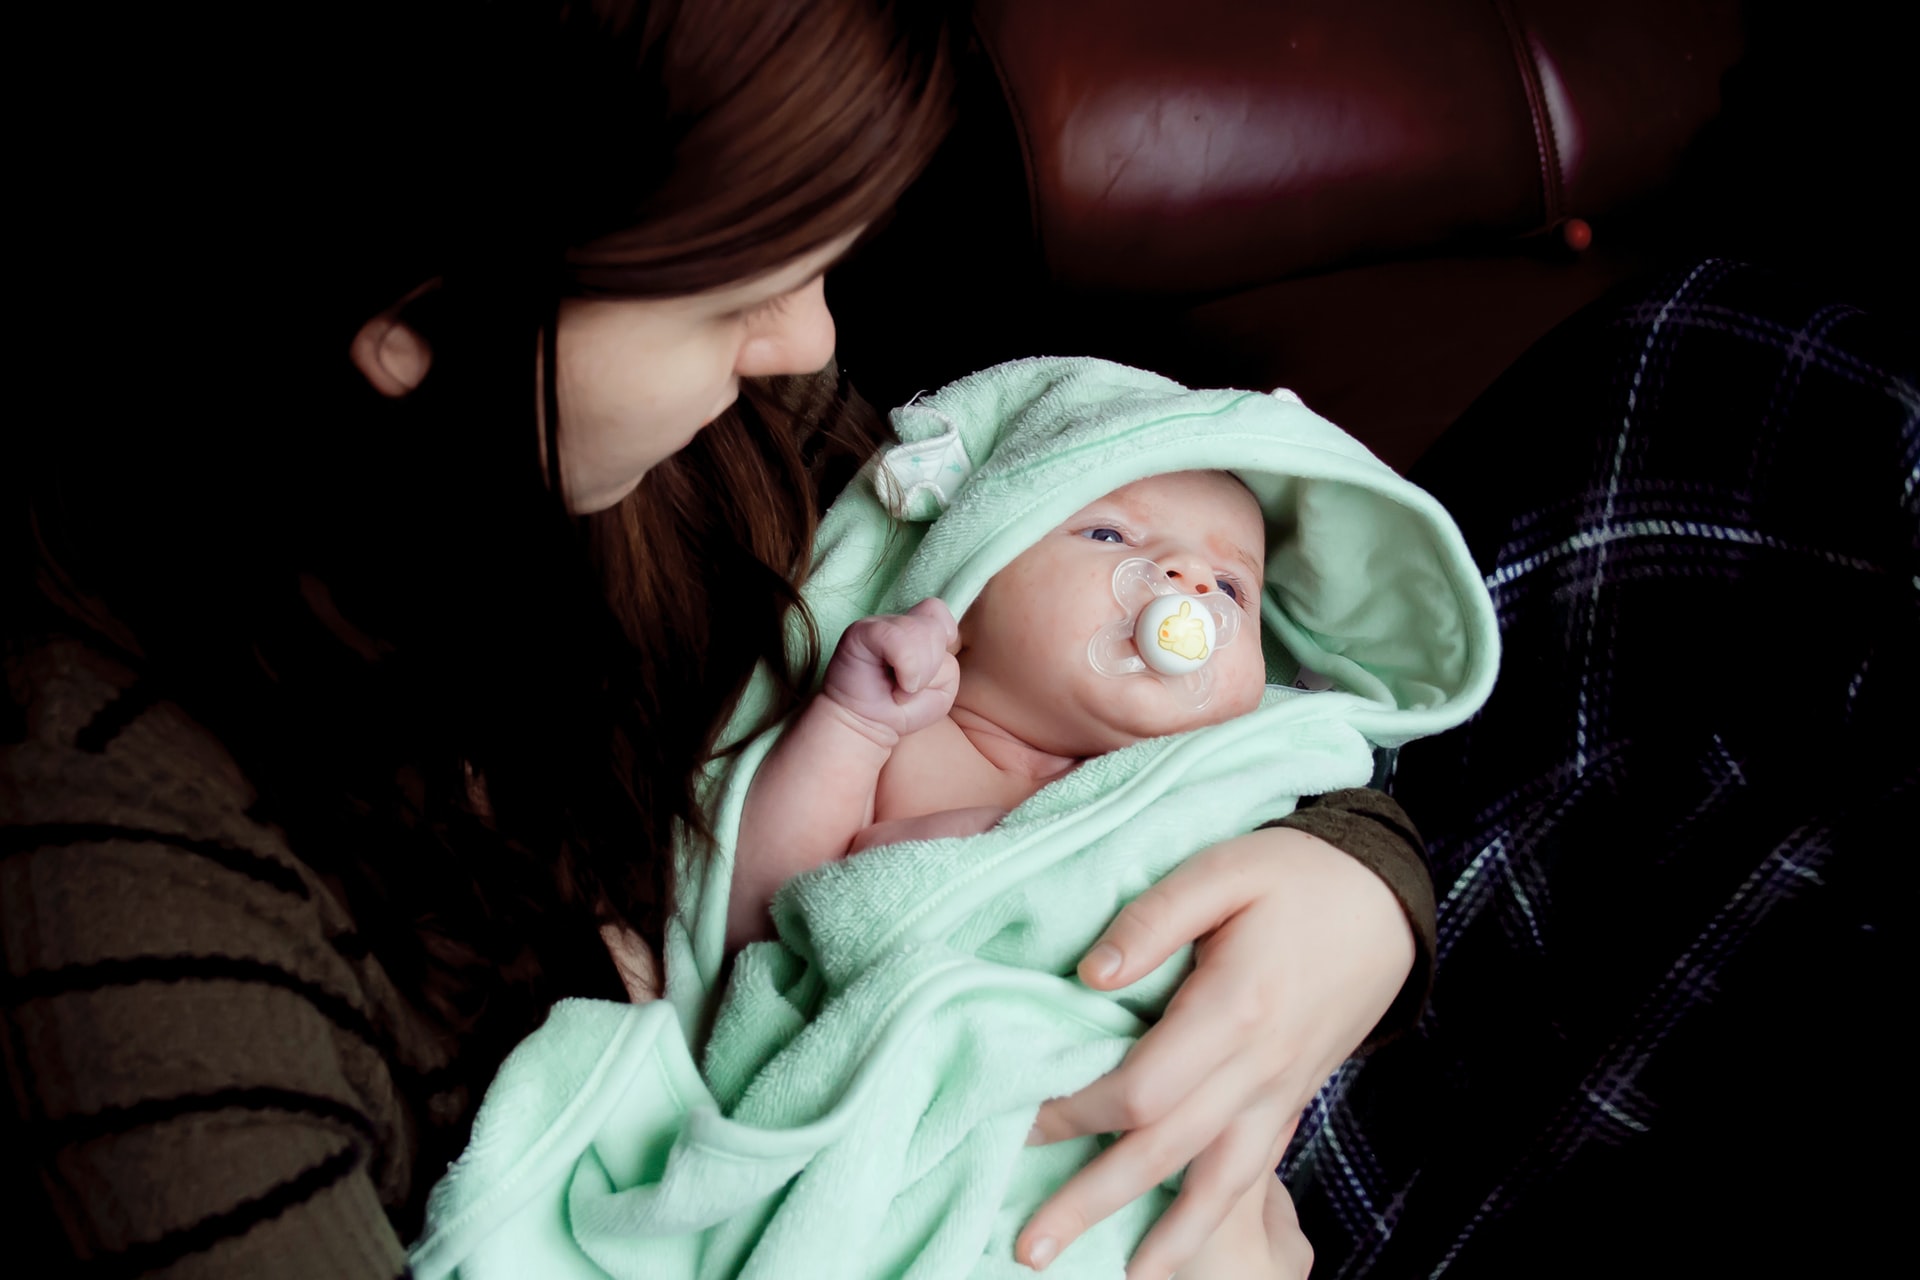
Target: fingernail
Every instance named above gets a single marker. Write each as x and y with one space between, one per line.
1035 1137
1041 1252
1103 961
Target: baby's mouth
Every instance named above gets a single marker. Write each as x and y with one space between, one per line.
1162 632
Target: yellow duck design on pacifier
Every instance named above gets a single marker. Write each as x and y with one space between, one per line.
1184 634
1163 632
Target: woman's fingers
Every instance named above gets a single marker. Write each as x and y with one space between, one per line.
1156 1078
1215 1182
1141 1091
1209 1022
1194 899
639 971
1129 1168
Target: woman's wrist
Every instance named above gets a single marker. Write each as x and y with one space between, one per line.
1371 829
1355 898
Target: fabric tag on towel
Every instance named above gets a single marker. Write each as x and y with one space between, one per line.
1312 681
917 480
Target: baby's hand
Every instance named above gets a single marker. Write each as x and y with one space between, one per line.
895 673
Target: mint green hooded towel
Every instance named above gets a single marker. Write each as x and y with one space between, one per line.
853 1100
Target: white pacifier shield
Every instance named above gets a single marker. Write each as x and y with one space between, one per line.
1175 634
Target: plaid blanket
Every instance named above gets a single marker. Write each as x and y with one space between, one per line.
1671 851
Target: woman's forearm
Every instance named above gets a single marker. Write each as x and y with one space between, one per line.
1370 827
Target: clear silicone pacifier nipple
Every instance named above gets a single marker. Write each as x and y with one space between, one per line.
1163 631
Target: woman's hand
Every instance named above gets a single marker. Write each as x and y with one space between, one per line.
1301 950
1260 1240
639 971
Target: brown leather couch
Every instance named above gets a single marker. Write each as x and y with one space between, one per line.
1378 203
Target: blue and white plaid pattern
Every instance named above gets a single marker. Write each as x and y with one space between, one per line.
1670 853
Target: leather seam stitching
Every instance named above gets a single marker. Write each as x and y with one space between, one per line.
1024 132
1546 150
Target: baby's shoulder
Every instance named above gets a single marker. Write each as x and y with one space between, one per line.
935 769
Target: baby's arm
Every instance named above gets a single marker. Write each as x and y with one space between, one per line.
890 676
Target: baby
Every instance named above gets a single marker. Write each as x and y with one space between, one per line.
925 728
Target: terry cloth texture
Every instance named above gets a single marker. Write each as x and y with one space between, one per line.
209 1074
867 1081
1672 852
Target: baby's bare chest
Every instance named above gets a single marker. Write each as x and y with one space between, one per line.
938 769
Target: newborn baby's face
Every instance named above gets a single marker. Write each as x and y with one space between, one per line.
1023 656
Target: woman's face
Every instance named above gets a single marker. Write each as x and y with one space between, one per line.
639 377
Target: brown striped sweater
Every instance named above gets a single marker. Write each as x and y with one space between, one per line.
211 1077
208 1074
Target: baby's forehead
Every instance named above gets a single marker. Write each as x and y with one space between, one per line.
1218 497
1213 504
1180 484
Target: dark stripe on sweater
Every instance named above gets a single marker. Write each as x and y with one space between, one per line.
46 984
117 1121
115 718
62 1205
254 866
150 1255
43 984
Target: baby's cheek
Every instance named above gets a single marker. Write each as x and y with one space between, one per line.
1246 684
1050 648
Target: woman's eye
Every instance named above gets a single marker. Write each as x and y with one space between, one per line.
761 310
1104 535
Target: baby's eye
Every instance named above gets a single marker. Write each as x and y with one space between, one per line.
1233 587
1104 534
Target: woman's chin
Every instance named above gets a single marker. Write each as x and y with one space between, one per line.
714 417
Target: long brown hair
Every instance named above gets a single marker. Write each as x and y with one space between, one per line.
479 714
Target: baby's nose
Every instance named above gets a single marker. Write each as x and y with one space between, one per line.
1188 573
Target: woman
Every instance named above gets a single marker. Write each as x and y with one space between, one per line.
359 669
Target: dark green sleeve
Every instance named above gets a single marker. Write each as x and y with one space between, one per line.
1371 827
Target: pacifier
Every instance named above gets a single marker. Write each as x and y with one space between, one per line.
1164 631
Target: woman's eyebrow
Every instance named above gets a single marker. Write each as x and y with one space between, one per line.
762 289
823 268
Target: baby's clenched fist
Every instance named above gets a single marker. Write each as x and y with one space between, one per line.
895 673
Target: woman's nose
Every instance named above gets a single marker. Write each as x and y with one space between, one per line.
796 337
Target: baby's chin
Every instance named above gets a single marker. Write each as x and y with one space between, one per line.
1126 709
